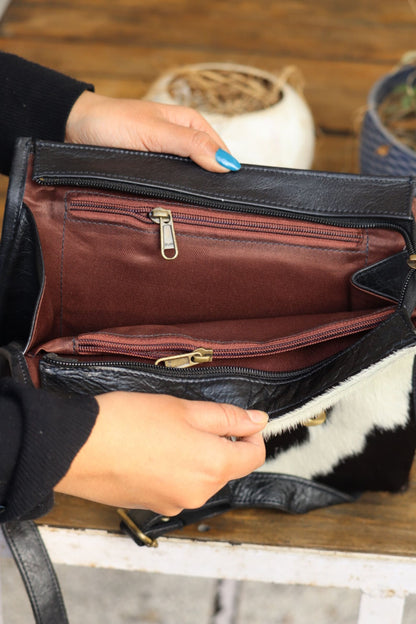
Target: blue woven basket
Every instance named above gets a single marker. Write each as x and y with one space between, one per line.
380 152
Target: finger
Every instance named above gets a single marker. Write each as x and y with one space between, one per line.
224 419
244 455
190 118
192 143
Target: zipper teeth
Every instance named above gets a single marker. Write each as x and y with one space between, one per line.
264 226
212 371
225 205
280 346
210 220
404 289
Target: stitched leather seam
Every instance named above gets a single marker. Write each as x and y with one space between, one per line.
40 146
306 174
226 196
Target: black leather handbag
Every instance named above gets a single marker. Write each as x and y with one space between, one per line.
281 290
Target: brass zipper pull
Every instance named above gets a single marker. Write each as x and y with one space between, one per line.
411 261
167 232
185 360
319 419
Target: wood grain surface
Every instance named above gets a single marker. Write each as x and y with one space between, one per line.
377 523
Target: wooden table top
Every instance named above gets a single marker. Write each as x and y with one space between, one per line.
378 523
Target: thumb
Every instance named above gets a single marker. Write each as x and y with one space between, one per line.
224 419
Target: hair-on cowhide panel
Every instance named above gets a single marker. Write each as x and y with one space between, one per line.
368 439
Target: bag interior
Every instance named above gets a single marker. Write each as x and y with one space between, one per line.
259 291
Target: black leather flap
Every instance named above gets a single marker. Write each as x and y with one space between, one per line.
338 196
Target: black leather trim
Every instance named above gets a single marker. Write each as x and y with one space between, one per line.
13 361
333 195
385 278
20 262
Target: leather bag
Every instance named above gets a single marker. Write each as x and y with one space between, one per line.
281 290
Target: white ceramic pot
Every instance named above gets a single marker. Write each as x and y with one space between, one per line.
280 135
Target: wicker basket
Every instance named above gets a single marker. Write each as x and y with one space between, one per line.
381 153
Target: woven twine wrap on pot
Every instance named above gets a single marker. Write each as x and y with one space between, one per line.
261 118
381 153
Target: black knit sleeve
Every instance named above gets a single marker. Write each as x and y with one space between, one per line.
40 434
34 102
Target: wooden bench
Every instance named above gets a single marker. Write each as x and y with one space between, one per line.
368 545
341 49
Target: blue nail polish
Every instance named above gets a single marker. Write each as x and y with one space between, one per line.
225 159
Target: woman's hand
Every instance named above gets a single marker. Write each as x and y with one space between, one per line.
162 453
140 125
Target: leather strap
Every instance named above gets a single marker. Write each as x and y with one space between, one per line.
37 572
259 489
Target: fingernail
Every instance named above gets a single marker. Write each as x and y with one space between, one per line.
225 159
258 417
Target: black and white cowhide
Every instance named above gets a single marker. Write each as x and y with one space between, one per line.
369 436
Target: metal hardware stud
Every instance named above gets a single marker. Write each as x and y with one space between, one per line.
316 420
411 261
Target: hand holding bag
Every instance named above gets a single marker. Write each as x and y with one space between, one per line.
281 290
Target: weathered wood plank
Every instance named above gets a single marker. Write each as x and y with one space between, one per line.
372 31
378 523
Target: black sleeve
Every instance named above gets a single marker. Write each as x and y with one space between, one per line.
34 102
40 435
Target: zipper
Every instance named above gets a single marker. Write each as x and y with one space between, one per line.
184 351
166 220
189 215
213 371
167 232
161 215
226 205
63 361
186 360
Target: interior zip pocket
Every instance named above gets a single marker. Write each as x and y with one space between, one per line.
172 347
170 217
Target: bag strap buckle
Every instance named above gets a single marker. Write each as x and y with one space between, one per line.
139 537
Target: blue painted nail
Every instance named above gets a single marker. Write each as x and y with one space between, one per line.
225 159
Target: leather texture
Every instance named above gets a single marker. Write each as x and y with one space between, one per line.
37 572
267 187
280 492
20 262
